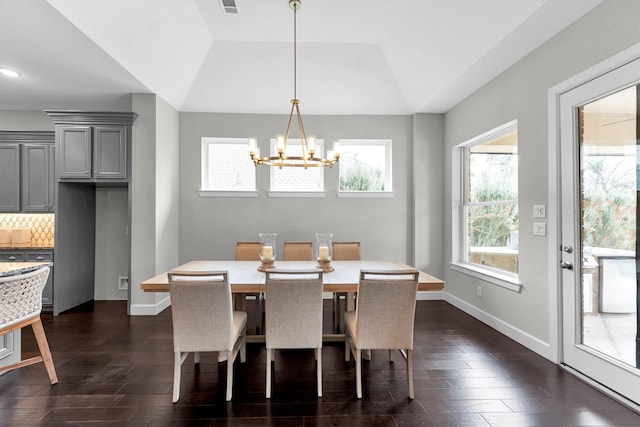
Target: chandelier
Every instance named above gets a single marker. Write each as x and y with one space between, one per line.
308 143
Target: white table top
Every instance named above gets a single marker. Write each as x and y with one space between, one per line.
245 277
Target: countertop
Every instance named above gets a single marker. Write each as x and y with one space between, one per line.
26 248
13 268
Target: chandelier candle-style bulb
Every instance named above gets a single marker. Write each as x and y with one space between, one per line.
253 146
280 144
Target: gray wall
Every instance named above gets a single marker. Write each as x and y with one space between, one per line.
521 93
112 242
154 199
209 227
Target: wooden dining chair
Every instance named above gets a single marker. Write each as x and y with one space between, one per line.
293 316
383 319
248 251
204 320
343 251
297 251
20 306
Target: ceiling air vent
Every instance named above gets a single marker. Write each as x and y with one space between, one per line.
229 6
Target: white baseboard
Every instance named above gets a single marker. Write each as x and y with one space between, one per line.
532 343
150 309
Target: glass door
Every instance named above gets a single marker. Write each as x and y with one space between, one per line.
599 163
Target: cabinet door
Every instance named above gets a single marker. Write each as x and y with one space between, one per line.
39 256
36 178
9 178
10 256
74 152
110 152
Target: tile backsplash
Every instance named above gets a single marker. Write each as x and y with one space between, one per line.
41 225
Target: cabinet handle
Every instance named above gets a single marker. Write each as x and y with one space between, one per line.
12 258
40 258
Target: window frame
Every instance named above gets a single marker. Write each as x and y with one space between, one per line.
205 143
298 193
388 168
460 209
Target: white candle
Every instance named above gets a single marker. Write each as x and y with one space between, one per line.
267 253
323 253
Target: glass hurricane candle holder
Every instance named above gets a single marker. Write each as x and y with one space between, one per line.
267 250
324 251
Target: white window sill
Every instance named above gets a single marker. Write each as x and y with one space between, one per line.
208 193
297 194
365 194
505 280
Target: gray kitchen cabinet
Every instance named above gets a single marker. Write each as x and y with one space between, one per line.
93 146
9 178
39 256
38 178
33 255
74 150
110 152
27 163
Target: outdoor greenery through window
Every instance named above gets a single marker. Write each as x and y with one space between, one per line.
297 179
226 165
609 196
490 200
365 165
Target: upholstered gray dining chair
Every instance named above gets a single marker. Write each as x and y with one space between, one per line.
20 306
383 319
204 320
293 316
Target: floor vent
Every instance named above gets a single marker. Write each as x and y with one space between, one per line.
229 6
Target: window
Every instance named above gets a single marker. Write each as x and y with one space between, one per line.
226 165
365 165
486 238
294 179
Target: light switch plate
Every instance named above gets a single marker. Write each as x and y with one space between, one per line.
539 211
539 229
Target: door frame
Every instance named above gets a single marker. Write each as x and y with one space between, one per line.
554 218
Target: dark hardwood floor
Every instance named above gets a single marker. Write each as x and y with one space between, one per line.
117 370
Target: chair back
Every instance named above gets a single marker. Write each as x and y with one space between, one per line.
386 309
293 314
346 251
21 296
202 311
247 251
297 251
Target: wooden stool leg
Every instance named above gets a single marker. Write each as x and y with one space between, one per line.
43 345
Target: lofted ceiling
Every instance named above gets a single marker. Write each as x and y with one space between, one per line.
354 57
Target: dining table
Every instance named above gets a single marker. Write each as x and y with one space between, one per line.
246 278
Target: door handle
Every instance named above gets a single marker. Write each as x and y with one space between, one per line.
567 249
566 265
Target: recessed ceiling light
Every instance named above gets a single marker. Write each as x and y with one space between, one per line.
9 73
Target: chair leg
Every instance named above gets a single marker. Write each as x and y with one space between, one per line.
336 311
358 373
45 352
243 347
347 347
229 377
267 389
177 362
319 369
410 372
196 357
391 356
